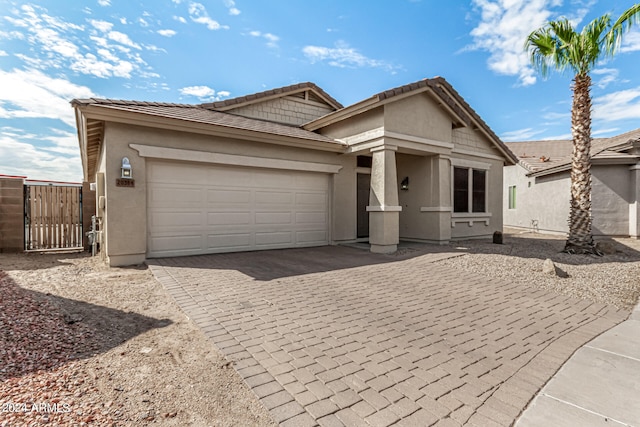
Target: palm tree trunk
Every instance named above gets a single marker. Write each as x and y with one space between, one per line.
580 238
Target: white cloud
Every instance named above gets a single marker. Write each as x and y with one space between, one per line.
503 29
199 91
55 157
631 42
122 38
204 93
609 75
526 134
556 116
103 26
34 94
180 19
231 5
198 14
621 105
3 53
104 2
167 33
59 45
343 56
272 39
143 22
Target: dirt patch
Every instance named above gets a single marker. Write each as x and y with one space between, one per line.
87 345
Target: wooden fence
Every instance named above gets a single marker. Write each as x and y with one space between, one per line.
53 217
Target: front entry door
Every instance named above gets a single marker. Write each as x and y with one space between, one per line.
363 189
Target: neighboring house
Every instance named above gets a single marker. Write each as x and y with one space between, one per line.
290 167
537 189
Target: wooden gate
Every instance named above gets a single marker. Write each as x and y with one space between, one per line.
53 217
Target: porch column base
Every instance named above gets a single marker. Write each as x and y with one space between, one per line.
383 231
383 249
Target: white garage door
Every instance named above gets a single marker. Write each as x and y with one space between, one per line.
198 209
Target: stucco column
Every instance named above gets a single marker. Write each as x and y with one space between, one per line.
634 203
384 211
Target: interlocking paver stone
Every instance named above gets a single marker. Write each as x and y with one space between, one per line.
335 334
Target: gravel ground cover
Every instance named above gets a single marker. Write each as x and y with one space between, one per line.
82 344
610 279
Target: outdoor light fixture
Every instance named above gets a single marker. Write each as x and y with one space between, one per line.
126 168
404 185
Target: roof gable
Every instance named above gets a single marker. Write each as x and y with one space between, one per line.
446 97
308 91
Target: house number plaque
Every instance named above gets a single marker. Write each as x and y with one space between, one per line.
125 182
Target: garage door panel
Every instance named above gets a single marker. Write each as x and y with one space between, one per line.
237 241
178 243
273 198
318 199
176 219
311 237
228 197
281 238
227 209
229 218
170 196
275 218
319 218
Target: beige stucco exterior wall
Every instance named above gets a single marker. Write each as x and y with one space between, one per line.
125 218
426 207
544 200
344 205
611 193
418 116
289 109
373 119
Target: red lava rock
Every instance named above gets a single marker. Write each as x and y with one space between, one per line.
38 372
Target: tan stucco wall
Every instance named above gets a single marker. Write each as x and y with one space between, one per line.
611 193
544 199
125 219
344 201
289 109
361 123
418 116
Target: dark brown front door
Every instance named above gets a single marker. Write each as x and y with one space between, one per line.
363 188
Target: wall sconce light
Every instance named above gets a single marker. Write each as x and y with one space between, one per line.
404 185
126 168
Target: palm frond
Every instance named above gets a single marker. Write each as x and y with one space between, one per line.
628 19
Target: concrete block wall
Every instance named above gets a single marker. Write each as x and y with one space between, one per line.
11 214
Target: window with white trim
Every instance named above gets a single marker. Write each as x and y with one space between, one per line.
469 190
512 197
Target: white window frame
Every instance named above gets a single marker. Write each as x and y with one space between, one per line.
470 217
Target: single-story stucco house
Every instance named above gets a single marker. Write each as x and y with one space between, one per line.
290 167
537 189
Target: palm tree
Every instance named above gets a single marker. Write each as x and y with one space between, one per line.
558 45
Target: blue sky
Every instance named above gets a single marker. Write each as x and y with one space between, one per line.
194 51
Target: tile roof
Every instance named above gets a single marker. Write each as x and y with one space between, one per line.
268 93
199 114
540 156
445 92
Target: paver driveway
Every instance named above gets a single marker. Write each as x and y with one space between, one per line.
337 336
